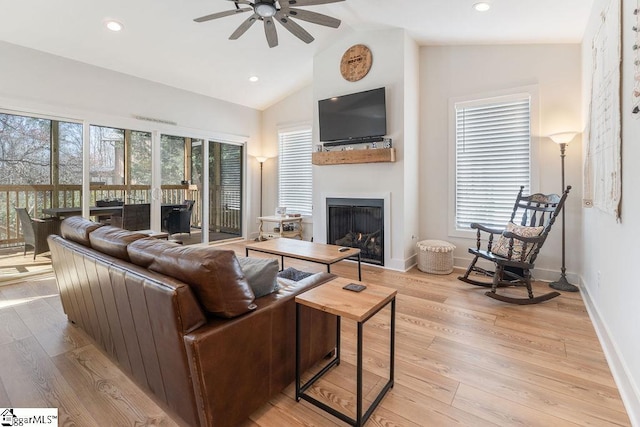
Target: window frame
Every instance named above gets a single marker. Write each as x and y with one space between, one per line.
307 127
532 91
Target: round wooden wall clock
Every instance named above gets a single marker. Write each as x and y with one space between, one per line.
356 62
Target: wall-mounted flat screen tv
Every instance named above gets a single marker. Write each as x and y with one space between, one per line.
353 116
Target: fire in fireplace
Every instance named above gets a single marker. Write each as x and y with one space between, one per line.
357 223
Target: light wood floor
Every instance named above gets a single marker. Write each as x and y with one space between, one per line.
14 263
461 359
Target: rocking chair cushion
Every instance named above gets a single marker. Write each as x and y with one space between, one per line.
502 245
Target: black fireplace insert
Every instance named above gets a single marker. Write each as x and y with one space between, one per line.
357 223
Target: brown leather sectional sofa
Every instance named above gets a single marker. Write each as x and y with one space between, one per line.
182 321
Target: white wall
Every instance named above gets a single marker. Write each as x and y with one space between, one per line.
36 82
295 110
411 113
392 52
612 249
455 71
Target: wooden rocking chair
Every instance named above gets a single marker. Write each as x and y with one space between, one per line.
515 252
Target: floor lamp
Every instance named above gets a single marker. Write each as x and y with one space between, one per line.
562 284
261 160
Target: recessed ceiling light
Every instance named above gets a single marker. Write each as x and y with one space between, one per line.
253 79
114 25
482 6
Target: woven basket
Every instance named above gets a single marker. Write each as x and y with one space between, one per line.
435 256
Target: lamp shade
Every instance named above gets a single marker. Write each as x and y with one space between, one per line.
563 137
261 159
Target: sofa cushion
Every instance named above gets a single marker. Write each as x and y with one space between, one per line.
502 245
214 275
77 229
113 241
261 274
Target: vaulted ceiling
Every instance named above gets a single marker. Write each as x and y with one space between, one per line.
161 42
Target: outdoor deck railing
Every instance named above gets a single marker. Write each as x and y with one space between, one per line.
38 197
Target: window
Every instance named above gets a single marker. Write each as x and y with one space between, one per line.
28 153
40 167
140 164
106 155
197 154
295 173
25 150
492 158
119 164
172 155
231 175
70 146
225 194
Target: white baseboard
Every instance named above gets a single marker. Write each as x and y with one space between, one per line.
410 262
538 273
628 389
553 275
395 264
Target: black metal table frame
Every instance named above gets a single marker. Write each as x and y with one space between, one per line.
293 256
360 417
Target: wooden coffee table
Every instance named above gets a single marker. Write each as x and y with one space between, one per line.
308 251
360 307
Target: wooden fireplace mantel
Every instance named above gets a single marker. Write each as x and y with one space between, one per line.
377 155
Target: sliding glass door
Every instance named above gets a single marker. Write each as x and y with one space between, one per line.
193 186
225 190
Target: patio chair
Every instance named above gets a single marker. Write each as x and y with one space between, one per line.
179 220
515 251
35 231
106 219
134 217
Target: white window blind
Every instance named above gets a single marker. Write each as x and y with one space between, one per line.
295 187
493 156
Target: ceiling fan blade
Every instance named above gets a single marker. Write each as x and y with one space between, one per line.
294 28
285 4
244 27
313 17
270 32
222 14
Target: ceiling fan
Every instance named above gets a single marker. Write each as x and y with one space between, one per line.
282 11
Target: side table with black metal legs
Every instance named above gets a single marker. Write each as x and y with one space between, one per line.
360 307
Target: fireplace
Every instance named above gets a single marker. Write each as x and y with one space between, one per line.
357 223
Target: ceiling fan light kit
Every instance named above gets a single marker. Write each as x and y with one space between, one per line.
265 10
282 11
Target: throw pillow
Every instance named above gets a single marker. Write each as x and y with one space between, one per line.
501 247
213 274
293 274
261 274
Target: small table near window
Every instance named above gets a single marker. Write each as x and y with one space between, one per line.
295 222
